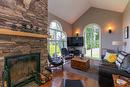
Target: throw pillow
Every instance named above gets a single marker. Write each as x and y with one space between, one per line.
118 64
120 58
110 57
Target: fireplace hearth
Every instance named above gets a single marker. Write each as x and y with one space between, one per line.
22 69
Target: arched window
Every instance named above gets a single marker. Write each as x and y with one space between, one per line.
57 40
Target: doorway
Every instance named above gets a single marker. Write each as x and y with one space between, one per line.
92 41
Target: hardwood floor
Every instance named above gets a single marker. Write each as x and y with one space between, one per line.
58 76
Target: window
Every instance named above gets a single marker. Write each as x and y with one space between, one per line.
57 40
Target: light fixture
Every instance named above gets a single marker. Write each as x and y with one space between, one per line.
109 30
77 34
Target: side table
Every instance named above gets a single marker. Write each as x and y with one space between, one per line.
121 81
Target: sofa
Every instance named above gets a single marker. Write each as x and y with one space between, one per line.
106 69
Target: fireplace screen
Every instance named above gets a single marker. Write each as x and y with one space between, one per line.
22 69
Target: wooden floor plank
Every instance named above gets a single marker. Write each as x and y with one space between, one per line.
60 75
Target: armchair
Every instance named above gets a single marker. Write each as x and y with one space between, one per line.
66 55
55 62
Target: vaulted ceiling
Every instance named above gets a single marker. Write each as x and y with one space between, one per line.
71 10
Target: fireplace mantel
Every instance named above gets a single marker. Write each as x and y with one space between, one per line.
10 32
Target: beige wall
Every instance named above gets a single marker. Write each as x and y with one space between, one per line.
104 19
126 22
66 26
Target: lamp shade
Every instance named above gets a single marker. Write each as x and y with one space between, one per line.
118 43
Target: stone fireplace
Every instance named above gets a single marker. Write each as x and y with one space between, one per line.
22 69
23 46
25 16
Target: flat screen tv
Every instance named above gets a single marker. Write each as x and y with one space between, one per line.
74 41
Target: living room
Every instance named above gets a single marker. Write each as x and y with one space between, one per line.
64 43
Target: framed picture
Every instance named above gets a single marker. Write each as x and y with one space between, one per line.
126 32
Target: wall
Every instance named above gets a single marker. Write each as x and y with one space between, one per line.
126 22
15 13
104 19
66 26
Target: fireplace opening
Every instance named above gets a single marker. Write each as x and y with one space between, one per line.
22 69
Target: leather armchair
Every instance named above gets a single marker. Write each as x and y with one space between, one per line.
55 62
65 54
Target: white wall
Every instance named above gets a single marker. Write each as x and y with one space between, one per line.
126 22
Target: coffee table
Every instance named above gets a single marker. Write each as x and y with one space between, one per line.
81 64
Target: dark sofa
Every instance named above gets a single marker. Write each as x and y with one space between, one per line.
107 69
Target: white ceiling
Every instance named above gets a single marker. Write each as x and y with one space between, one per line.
71 10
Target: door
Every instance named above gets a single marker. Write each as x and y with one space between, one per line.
92 41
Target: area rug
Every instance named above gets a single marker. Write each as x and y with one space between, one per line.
72 83
91 73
